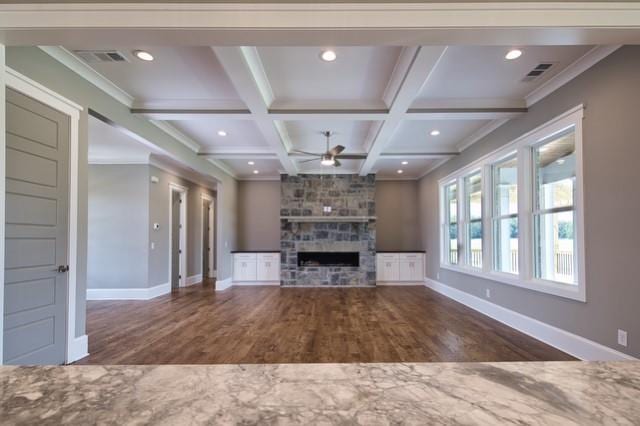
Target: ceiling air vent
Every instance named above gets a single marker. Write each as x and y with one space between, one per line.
538 71
95 56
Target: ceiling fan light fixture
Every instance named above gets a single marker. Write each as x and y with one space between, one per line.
327 160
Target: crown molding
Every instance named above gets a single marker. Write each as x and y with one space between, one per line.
579 66
480 133
259 179
182 173
81 68
177 134
117 161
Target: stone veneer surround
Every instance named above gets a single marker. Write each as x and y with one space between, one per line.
348 196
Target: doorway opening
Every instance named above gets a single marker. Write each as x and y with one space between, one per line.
208 237
177 235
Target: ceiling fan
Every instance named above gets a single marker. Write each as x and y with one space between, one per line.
331 156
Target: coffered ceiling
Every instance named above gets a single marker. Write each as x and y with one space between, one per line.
394 104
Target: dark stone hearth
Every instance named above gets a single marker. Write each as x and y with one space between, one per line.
347 195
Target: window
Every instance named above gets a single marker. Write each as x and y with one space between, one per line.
554 165
473 209
451 223
505 215
515 216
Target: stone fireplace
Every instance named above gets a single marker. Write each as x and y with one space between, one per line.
327 230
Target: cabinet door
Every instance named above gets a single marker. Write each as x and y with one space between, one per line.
268 267
387 266
406 270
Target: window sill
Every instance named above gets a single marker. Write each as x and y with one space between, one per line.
568 291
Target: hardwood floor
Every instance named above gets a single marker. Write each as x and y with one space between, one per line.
195 325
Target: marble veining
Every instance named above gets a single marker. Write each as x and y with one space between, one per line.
537 393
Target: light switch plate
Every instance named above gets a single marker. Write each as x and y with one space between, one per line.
622 338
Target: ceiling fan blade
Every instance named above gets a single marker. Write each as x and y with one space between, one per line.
353 156
306 161
336 163
297 151
336 150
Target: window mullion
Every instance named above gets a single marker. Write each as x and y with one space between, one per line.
462 223
487 225
525 207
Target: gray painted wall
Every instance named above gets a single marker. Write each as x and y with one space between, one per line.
118 226
40 67
397 210
159 213
259 215
610 92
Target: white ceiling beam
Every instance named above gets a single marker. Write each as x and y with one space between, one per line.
245 70
191 114
424 61
328 114
417 155
238 156
463 113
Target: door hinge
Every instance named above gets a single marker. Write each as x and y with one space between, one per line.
179 251
62 268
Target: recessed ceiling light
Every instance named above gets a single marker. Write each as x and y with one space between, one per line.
404 163
328 56
222 133
251 163
560 161
435 132
513 54
255 172
143 55
400 171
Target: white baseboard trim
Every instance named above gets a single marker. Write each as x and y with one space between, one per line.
578 346
223 284
128 293
254 283
78 349
193 279
399 283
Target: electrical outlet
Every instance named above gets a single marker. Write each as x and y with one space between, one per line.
153 246
488 293
622 338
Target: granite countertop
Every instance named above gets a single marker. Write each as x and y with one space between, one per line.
549 393
400 251
255 251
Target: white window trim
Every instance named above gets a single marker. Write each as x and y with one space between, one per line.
522 145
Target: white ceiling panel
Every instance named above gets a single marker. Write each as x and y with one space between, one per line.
357 78
109 144
415 135
240 134
388 168
482 72
308 135
266 168
176 74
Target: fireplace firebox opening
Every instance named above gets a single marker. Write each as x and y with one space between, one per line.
326 258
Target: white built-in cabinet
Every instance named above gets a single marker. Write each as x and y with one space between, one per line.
260 267
399 267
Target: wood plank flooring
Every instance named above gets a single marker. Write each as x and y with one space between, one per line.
195 325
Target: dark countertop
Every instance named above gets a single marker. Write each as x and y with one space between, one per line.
255 251
400 251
